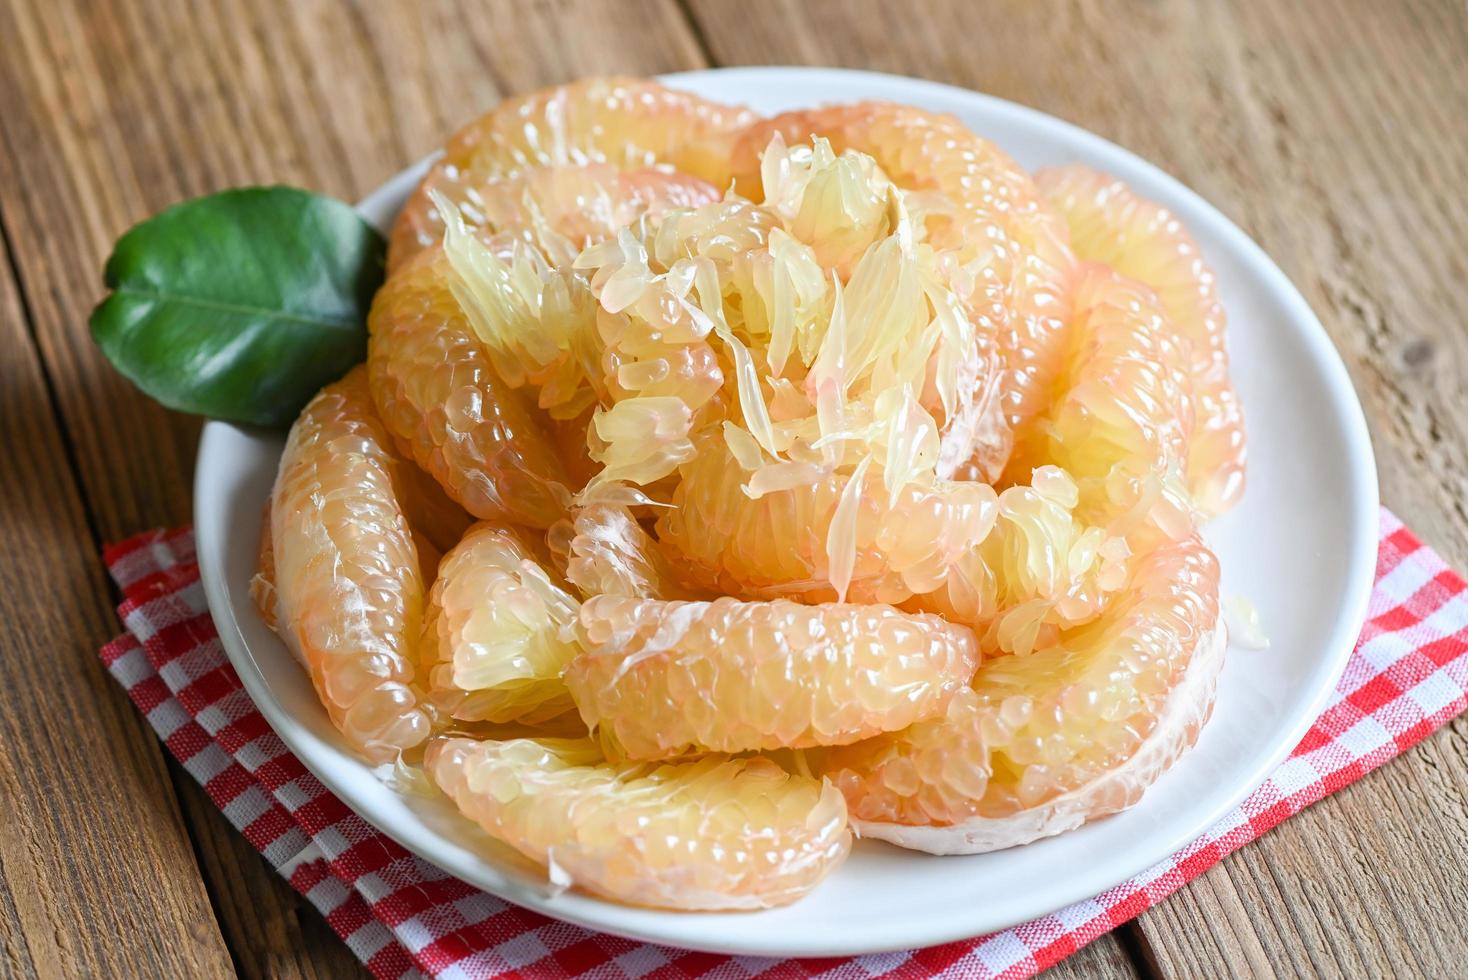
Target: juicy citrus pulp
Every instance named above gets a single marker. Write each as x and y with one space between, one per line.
493 648
348 587
1110 224
886 463
1031 728
715 833
665 678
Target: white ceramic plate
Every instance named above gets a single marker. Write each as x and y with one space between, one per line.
1302 546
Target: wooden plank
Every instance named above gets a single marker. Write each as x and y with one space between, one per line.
110 112
1332 131
1106 958
97 876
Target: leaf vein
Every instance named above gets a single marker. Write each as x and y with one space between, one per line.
223 307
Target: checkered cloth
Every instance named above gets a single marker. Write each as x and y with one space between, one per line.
403 916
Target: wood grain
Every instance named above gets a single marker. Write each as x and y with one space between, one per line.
271 930
1333 132
112 112
85 836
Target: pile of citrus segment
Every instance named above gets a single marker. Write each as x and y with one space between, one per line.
718 487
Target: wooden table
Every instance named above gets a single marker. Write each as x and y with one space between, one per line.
1334 131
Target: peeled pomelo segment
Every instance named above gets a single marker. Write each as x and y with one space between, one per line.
348 589
799 540
1034 728
494 642
435 521
715 833
1180 721
609 553
1122 413
665 678
1143 240
622 124
448 408
976 201
629 123
1038 572
559 209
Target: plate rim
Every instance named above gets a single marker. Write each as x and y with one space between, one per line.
1345 405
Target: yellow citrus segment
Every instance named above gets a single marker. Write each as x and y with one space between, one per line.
440 396
710 834
825 534
664 678
1032 728
1142 240
973 199
1122 416
559 209
630 123
494 637
349 593
610 553
621 123
1040 571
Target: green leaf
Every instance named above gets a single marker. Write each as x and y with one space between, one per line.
242 304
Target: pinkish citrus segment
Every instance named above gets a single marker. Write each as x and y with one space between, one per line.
622 124
1032 728
495 640
339 530
442 399
1121 416
665 678
559 209
1111 224
715 833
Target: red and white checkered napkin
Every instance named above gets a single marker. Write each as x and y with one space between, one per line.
401 915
